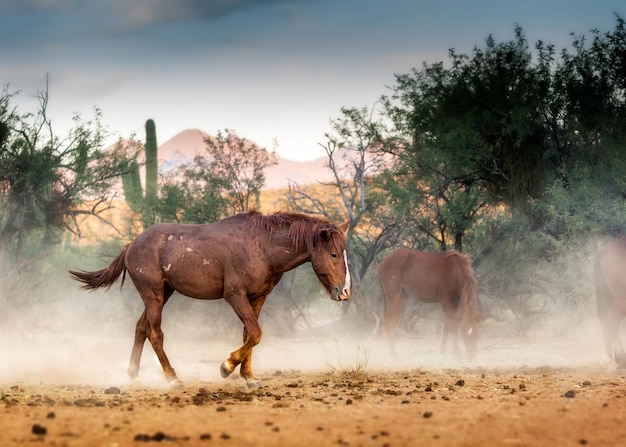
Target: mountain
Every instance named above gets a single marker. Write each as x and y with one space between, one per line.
182 147
189 143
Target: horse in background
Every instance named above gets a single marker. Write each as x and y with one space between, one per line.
610 285
240 259
446 278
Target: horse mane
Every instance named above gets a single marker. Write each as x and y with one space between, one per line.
468 304
305 231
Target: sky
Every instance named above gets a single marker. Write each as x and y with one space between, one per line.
274 71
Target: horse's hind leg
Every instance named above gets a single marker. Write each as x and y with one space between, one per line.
141 333
149 326
612 342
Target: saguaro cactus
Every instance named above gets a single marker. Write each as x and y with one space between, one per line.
151 163
145 204
131 182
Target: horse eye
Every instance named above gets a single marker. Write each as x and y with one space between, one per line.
335 255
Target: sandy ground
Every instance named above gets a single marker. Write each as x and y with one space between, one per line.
534 407
60 389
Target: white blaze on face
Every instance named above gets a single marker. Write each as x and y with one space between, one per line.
347 286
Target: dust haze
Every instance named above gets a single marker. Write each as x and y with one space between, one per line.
64 335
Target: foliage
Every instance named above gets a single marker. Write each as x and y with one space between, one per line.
193 194
238 165
475 132
588 109
504 126
227 180
47 181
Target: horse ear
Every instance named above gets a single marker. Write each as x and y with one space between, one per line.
344 227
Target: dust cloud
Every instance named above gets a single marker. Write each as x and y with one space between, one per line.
65 335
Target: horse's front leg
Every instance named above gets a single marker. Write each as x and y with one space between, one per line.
444 336
252 337
246 365
450 327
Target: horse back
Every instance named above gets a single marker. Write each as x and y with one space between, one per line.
199 260
427 276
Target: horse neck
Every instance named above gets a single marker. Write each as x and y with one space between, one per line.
469 299
283 255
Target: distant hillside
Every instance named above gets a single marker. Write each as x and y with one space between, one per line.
189 143
182 147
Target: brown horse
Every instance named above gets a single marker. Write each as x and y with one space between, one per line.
445 278
610 278
240 259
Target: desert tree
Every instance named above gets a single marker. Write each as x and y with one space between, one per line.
190 193
585 119
478 134
47 181
226 179
238 165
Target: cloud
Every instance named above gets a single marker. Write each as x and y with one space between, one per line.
162 11
30 6
116 18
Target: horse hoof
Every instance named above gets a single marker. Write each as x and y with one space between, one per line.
225 370
254 384
176 384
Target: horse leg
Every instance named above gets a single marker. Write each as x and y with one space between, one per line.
142 331
154 302
612 343
455 339
444 335
450 326
392 307
246 365
252 334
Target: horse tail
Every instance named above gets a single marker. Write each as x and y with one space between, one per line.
105 277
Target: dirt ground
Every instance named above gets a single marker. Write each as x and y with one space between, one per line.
74 392
541 406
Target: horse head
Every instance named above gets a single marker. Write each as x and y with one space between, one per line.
329 259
